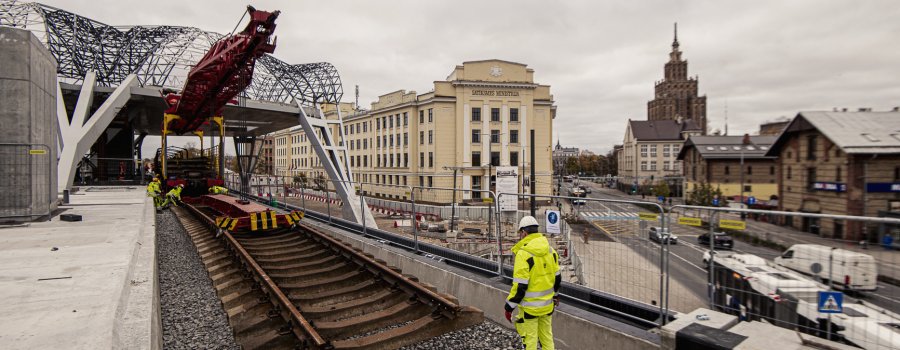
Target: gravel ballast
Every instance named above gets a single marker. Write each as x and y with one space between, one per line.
484 336
192 315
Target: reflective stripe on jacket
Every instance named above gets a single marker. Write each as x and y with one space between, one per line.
536 268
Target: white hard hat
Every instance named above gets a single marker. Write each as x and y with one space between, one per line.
526 221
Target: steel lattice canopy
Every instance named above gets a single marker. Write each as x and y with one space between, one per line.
161 56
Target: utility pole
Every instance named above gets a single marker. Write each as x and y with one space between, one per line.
453 205
531 164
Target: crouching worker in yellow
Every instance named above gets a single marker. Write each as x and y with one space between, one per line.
218 190
536 281
174 195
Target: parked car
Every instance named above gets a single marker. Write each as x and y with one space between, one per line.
723 240
852 270
659 235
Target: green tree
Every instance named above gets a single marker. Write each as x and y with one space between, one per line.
301 180
661 189
704 194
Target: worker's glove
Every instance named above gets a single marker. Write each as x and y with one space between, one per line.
556 301
508 316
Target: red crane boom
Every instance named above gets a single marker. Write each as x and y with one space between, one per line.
225 71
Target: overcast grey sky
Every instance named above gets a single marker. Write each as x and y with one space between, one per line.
765 59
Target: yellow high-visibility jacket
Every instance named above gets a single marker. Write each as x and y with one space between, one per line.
536 277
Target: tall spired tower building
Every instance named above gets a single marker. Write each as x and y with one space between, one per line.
676 95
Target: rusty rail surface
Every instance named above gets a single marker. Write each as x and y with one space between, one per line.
301 326
425 313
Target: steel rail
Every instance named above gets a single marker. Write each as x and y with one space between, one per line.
301 327
443 305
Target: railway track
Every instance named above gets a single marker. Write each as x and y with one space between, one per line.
300 288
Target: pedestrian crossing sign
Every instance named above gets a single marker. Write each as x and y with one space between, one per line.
831 302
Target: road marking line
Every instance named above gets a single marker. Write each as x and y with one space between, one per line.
886 298
689 263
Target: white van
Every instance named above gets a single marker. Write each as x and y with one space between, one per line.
852 270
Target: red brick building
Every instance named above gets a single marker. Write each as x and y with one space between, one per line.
676 96
843 163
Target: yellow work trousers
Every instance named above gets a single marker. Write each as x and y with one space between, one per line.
534 330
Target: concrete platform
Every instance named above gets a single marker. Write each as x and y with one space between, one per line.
98 288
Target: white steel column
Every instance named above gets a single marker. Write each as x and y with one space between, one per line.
82 132
333 159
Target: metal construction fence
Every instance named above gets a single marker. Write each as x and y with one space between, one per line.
762 265
26 181
832 276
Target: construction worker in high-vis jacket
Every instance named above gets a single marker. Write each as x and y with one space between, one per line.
154 191
218 190
536 281
174 195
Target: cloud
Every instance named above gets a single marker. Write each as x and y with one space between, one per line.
765 58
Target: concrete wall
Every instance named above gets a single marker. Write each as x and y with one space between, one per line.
573 328
28 116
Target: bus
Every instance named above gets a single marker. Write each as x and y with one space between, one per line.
754 289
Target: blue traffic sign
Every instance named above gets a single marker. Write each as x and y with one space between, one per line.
552 217
831 302
661 198
751 200
715 202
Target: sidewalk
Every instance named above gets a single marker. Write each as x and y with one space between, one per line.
83 285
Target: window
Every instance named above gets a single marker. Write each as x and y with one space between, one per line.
406 138
811 178
391 120
811 147
644 165
476 182
837 175
788 172
476 114
378 123
405 119
430 181
406 160
495 136
366 161
749 170
897 173
421 159
675 150
430 137
644 150
430 115
666 165
514 158
666 151
379 141
514 136
495 158
748 188
653 165
839 228
421 181
476 158
495 114
727 170
476 136
421 137
391 164
398 120
771 170
513 114
421 117
365 127
653 151
392 140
